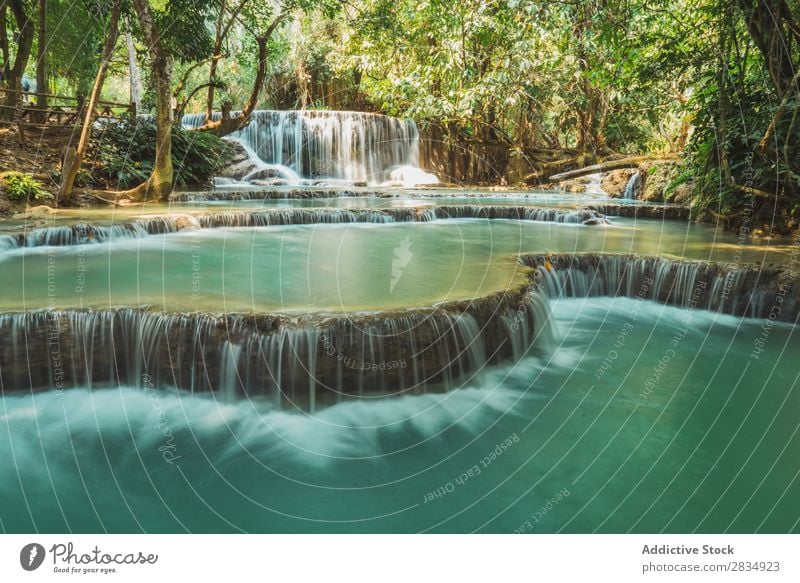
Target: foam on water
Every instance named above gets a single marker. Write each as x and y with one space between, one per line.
371 465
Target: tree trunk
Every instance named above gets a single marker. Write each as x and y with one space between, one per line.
226 124
135 77
160 183
4 49
41 57
73 158
212 71
631 162
765 21
13 74
221 33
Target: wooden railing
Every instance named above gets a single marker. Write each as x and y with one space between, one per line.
62 111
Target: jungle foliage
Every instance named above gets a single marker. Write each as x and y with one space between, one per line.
715 81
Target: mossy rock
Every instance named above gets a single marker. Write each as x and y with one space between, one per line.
614 182
658 180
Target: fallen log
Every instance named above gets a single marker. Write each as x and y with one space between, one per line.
630 162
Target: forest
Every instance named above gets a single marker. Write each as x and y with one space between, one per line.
503 92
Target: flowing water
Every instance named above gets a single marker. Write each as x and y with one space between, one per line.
571 442
597 413
332 267
341 145
633 188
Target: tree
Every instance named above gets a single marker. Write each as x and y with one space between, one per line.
134 95
262 20
74 158
177 31
41 57
159 185
12 74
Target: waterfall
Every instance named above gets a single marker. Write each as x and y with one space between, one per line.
261 170
267 193
340 145
526 213
397 215
84 234
750 291
228 371
305 362
634 187
594 184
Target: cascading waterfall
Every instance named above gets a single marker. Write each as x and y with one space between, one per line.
634 187
261 169
82 234
339 145
304 363
594 184
398 215
749 291
235 193
228 370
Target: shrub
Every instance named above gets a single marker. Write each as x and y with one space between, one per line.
124 153
21 186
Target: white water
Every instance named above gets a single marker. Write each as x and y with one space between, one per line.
339 145
410 176
633 187
130 460
594 184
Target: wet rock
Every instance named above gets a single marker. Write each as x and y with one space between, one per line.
304 362
240 163
642 211
614 182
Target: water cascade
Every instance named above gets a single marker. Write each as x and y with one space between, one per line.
398 215
634 187
749 291
80 234
258 170
340 145
594 184
294 362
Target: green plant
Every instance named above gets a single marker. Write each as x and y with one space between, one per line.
21 186
124 152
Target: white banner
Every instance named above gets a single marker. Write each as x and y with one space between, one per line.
399 558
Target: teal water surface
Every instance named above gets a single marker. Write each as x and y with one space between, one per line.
334 268
570 441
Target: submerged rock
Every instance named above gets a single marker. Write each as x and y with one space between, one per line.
240 163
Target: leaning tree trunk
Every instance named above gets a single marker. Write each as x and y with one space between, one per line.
73 158
227 124
160 183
